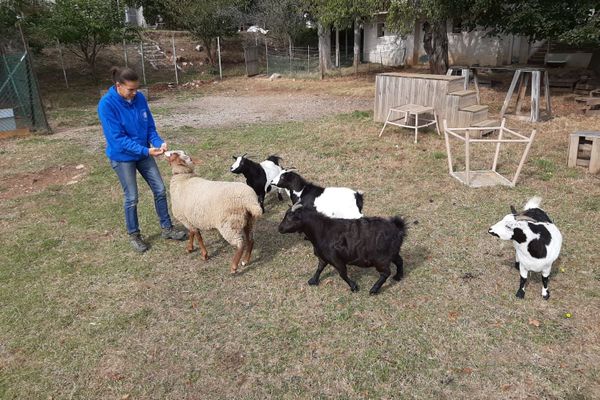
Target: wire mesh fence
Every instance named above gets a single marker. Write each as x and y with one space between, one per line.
20 102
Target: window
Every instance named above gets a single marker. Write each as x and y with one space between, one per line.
380 29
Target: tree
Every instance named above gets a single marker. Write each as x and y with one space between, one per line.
86 27
205 20
575 22
434 15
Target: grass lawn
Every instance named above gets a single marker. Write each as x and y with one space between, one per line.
82 316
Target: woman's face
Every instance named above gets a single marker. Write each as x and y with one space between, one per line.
128 89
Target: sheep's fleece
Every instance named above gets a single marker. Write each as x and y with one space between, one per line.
202 204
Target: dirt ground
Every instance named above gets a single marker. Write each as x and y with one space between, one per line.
233 109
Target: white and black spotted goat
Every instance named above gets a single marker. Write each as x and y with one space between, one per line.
333 202
536 239
258 176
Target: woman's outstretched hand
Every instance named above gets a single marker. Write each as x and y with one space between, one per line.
153 151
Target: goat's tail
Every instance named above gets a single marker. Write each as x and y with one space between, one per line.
534 202
400 224
275 159
359 200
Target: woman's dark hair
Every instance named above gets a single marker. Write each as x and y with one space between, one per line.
121 75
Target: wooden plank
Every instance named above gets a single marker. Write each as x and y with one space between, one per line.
573 145
535 96
525 153
521 92
583 163
547 94
595 157
511 89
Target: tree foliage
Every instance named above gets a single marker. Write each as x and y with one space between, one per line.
85 27
206 20
575 22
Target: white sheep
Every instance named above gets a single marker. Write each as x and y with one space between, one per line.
230 207
536 239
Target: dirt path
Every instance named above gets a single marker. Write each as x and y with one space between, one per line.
231 110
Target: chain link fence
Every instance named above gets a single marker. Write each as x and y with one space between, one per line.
175 58
20 102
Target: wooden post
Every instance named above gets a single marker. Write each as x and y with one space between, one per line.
521 92
595 156
495 163
308 60
511 89
290 53
514 181
573 149
175 59
535 96
547 94
476 82
448 147
465 74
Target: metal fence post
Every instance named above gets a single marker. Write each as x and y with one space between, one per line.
175 59
143 67
62 63
125 52
267 55
219 54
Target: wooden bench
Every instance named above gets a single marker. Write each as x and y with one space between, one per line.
412 116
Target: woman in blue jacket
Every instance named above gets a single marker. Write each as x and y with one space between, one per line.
131 144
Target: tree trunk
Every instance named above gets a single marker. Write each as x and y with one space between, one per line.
356 59
435 42
324 48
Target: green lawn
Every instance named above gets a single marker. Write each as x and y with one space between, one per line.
83 316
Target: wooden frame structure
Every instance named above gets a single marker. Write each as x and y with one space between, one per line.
485 177
412 111
523 75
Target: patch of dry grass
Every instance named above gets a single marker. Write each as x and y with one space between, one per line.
85 317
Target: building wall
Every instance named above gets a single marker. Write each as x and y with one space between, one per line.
463 48
388 49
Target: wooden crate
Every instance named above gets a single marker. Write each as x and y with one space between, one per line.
584 150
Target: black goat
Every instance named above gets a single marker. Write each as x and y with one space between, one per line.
258 176
364 242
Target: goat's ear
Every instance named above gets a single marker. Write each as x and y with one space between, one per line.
234 157
513 210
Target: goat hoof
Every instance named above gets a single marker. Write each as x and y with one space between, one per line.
373 292
354 288
547 296
244 263
205 257
189 250
313 282
397 278
520 294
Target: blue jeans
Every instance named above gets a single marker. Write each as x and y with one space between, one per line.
149 170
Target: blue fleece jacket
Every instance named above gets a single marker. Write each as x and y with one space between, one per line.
128 126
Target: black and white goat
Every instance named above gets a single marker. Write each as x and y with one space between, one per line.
536 239
364 242
258 176
334 202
